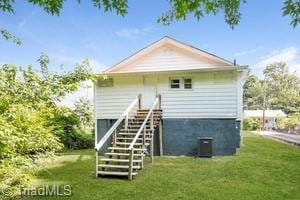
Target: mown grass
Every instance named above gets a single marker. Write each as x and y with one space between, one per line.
262 169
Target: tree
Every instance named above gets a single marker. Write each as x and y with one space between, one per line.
83 109
180 9
32 125
252 96
282 88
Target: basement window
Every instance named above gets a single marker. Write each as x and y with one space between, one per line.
174 83
187 83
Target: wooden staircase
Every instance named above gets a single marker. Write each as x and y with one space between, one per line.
129 145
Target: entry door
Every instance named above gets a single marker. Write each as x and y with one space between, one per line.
150 87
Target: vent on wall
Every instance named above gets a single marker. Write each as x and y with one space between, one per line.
108 82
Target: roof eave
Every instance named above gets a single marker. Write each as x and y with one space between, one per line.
219 68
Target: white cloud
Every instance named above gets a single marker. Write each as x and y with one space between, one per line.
290 55
131 33
247 52
86 91
62 58
96 66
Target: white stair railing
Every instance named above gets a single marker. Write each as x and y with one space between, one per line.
124 115
150 116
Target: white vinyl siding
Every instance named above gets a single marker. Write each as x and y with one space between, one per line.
208 98
166 59
112 101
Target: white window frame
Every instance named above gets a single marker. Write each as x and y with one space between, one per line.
170 83
181 83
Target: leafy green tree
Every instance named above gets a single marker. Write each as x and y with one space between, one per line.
83 109
282 88
252 96
179 10
68 127
29 103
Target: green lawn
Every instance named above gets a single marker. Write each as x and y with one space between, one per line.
262 169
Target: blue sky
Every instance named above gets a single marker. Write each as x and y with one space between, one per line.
82 31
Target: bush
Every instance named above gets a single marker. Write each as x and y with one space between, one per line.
28 104
67 127
252 123
24 139
290 122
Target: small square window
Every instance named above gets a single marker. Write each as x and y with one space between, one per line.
175 83
187 83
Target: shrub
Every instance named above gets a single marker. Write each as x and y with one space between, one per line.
24 139
67 127
251 123
290 122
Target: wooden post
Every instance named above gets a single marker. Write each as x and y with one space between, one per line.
142 163
126 121
144 136
115 137
160 139
140 101
130 167
151 147
151 121
159 101
96 162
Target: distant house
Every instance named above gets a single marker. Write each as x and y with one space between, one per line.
169 94
271 116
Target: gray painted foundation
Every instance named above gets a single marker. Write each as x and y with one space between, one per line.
180 135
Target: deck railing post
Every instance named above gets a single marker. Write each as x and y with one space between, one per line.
115 137
96 161
160 138
144 136
159 101
151 147
126 121
130 167
151 121
140 101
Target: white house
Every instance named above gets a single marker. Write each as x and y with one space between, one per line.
200 96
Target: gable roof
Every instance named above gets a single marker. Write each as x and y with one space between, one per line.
191 54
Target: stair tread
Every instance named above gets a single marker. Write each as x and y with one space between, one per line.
135 129
115 173
119 138
124 133
119 160
122 148
118 166
128 143
122 154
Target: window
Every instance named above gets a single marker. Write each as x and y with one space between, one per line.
181 83
187 83
175 83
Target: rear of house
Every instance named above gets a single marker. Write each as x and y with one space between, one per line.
200 95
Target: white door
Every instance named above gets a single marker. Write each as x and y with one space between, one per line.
150 87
